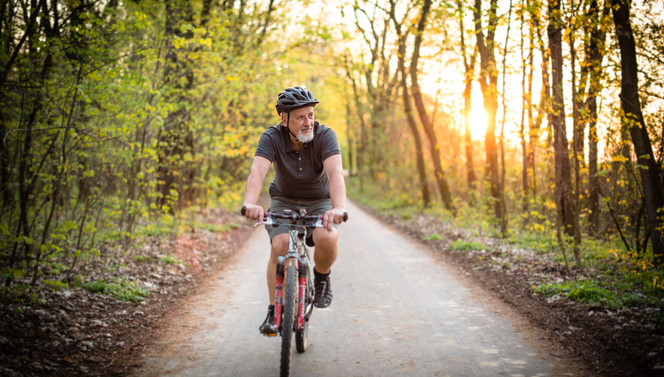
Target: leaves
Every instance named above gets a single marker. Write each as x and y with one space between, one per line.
85 169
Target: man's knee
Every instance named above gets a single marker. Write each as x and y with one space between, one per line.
326 240
279 245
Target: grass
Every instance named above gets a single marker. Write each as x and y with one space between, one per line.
461 245
170 259
433 237
120 288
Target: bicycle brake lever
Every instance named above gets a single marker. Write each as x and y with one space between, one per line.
266 221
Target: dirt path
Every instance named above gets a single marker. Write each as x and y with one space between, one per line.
398 311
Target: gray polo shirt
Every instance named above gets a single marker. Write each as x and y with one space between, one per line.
299 175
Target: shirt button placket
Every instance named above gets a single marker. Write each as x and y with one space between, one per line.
299 158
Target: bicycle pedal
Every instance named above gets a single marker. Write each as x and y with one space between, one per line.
271 335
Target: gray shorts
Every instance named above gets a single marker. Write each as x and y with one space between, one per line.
279 204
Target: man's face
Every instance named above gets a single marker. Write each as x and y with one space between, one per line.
301 123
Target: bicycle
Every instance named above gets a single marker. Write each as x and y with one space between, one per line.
294 302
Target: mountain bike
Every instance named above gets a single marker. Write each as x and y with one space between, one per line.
294 300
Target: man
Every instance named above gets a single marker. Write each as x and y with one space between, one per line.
308 174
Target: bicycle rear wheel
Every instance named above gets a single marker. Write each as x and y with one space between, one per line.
289 320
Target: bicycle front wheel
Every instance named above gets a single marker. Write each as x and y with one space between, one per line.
289 319
302 334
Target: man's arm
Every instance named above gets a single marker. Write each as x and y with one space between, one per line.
335 176
259 168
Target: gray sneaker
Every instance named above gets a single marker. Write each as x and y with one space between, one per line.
268 328
323 297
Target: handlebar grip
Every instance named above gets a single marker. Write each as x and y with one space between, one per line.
345 216
243 210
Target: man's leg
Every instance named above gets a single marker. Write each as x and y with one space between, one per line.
324 256
279 247
326 249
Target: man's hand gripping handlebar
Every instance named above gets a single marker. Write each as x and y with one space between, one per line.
267 218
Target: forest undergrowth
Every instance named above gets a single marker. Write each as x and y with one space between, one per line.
98 323
604 308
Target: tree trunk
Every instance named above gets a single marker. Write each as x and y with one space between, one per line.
544 107
468 78
633 119
595 53
488 79
412 124
578 126
424 118
563 189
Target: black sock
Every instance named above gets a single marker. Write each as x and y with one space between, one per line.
270 308
319 276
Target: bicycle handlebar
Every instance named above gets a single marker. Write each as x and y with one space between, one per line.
293 216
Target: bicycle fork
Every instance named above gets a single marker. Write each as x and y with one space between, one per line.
279 296
302 291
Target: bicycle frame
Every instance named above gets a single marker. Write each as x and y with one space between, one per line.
298 253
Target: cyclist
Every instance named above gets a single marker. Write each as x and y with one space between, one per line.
308 174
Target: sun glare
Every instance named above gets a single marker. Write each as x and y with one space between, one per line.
477 119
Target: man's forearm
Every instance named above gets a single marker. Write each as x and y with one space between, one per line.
253 191
338 191
259 169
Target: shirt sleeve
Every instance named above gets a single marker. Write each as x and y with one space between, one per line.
266 147
330 145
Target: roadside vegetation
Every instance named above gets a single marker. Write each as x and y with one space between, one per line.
605 274
606 306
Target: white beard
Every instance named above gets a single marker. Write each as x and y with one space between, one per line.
305 138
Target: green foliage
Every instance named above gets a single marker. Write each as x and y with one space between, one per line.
462 245
141 258
119 288
170 259
433 237
91 122
56 284
586 291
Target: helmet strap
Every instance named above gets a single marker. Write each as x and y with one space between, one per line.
288 125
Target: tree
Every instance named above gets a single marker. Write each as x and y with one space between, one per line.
594 54
653 196
563 188
175 137
375 99
405 97
434 146
488 79
468 78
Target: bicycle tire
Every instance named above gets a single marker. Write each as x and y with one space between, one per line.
302 334
288 321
